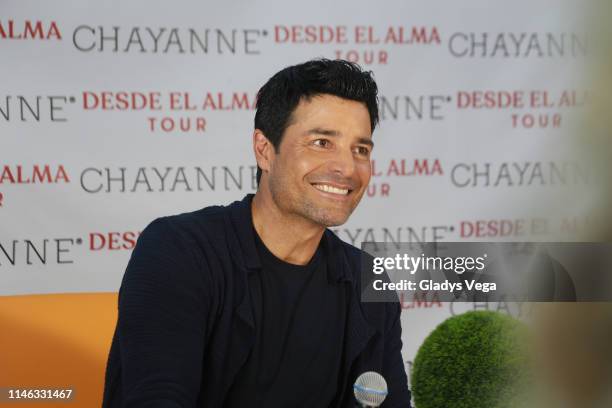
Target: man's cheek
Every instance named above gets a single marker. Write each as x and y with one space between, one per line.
365 173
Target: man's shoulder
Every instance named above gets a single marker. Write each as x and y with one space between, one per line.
187 237
205 222
354 254
352 258
357 259
207 216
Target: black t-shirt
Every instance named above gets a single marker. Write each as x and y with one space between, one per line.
299 320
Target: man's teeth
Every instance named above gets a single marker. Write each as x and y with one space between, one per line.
330 189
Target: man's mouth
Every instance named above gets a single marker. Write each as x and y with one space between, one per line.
327 188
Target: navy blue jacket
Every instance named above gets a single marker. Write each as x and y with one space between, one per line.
185 324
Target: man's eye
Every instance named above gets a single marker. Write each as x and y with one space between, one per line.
364 151
321 142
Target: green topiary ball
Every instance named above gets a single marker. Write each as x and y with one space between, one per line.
476 359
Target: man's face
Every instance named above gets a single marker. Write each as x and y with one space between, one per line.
322 166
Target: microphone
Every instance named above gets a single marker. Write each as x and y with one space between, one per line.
370 389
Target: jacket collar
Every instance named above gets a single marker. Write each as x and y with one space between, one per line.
242 219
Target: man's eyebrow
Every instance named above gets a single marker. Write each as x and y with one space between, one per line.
322 131
331 132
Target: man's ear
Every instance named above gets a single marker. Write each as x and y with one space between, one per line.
263 149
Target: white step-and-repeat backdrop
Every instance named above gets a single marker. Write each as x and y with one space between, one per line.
114 113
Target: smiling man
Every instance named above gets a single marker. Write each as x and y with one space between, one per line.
258 303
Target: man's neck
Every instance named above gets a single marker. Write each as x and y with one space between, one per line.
289 237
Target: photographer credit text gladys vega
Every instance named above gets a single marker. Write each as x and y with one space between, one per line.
411 265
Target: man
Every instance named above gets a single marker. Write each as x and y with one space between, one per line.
257 303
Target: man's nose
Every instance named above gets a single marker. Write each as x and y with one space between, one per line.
343 163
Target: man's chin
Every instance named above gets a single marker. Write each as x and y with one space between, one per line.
330 219
326 214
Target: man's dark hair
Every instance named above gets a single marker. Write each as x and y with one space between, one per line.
279 97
